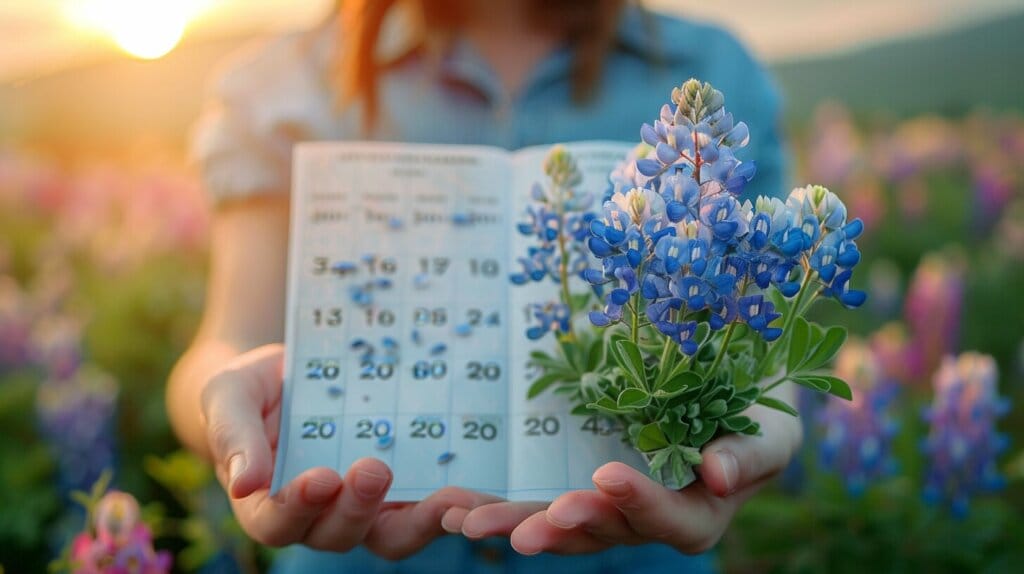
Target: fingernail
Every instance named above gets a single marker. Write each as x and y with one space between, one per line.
236 466
517 545
730 469
452 520
563 516
370 484
317 492
614 488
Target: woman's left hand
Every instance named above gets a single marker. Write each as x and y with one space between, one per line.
627 507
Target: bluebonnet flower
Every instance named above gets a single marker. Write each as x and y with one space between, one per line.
723 215
15 326
672 217
857 443
617 298
962 444
829 241
695 132
625 176
76 417
759 314
537 265
559 224
550 317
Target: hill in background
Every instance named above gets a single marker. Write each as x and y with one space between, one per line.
948 73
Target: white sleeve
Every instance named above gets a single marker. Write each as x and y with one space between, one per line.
264 100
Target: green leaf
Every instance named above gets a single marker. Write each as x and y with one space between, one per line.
540 356
748 395
675 431
578 301
613 348
677 385
632 361
571 353
679 469
827 349
836 386
715 408
542 384
552 364
581 410
81 498
650 438
813 383
691 455
693 410
704 434
633 399
595 356
778 405
606 405
737 423
659 460
780 301
798 341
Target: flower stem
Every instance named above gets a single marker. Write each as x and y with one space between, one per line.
665 368
563 265
769 358
635 320
722 351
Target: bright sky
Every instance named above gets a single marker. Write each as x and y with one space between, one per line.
41 36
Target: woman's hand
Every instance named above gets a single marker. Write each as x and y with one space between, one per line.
241 408
627 507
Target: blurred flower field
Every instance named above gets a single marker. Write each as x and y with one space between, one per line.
101 284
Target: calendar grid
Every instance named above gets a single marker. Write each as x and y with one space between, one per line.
413 206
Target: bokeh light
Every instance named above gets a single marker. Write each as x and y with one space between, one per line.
146 30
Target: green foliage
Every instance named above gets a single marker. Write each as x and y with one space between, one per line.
208 527
672 405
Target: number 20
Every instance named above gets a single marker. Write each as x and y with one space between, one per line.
476 430
318 429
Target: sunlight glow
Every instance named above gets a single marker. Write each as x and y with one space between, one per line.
147 30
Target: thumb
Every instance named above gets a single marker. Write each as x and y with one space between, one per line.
233 404
735 462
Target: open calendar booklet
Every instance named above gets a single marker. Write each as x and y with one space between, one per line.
405 339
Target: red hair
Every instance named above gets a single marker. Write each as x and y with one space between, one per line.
588 25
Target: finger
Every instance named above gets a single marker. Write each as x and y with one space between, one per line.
692 519
536 534
234 403
453 518
345 523
402 530
498 519
735 462
286 517
592 512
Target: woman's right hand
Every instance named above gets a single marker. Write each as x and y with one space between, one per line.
241 408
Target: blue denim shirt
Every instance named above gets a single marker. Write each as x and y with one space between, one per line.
275 95
269 98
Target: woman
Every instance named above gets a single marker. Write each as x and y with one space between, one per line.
510 74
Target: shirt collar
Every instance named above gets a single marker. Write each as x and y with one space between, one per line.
638 32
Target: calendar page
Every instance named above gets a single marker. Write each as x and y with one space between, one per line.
405 339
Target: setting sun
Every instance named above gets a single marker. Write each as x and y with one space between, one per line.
146 30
